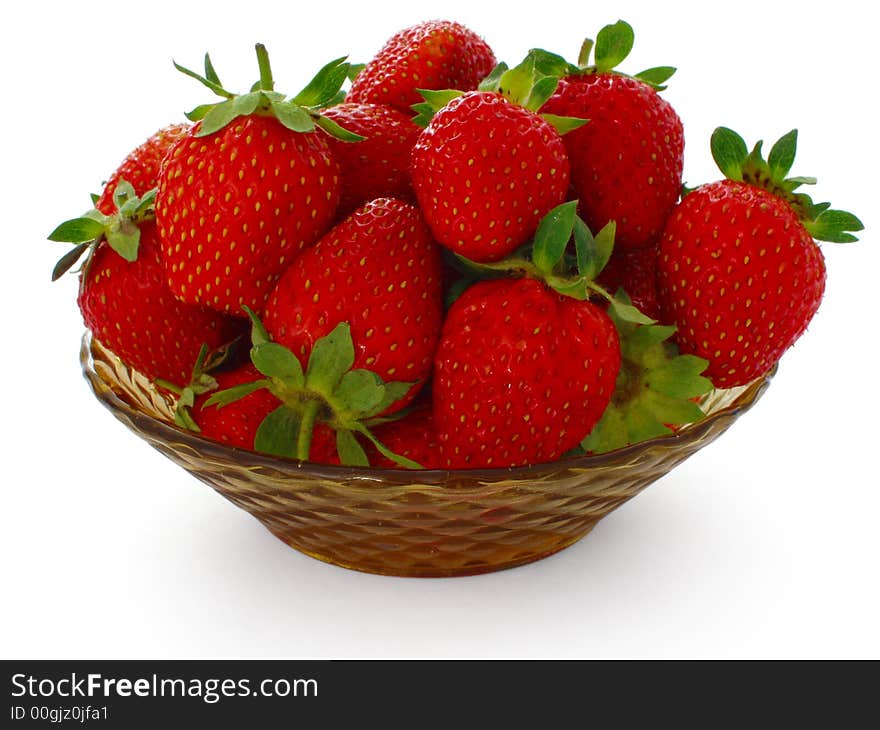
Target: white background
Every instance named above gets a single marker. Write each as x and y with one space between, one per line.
765 544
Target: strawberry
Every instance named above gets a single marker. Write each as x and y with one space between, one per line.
437 54
626 164
636 273
379 271
123 296
657 390
141 167
413 436
236 424
522 374
485 170
739 272
526 366
247 189
378 166
323 411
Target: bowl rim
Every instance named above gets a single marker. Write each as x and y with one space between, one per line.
751 393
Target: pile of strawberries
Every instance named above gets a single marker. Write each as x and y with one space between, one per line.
453 264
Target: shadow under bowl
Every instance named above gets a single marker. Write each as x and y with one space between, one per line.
429 523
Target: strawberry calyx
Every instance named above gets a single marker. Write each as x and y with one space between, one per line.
548 258
529 84
612 46
300 113
201 381
121 230
329 390
733 158
655 391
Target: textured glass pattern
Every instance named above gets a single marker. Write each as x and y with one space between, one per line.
412 523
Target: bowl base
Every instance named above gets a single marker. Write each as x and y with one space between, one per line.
407 569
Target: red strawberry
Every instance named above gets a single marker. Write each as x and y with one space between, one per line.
236 423
318 410
485 171
413 436
244 192
739 273
379 271
378 166
141 167
123 296
636 273
437 54
626 164
522 374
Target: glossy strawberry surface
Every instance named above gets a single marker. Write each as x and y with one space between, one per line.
129 308
522 374
378 165
379 271
740 277
141 167
626 163
485 171
234 209
413 436
437 54
635 272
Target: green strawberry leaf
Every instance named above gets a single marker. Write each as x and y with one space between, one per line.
360 391
66 262
325 85
585 249
337 131
391 393
276 361
681 376
628 313
277 433
218 117
351 453
782 155
613 44
332 356
552 236
77 230
236 392
124 238
729 152
434 101
593 252
213 85
563 125
832 226
199 112
657 76
294 117
492 82
655 387
354 69
551 64
211 73
259 335
386 452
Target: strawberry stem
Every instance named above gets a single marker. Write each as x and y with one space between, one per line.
306 428
267 83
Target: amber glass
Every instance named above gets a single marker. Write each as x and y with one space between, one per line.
411 523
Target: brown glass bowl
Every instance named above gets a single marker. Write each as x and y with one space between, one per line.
411 523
